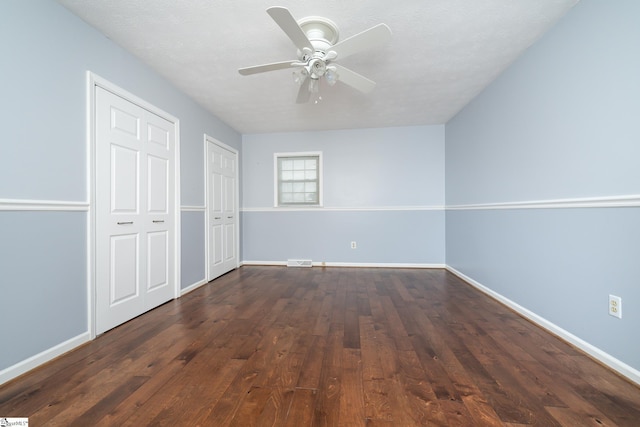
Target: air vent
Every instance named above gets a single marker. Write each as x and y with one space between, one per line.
299 263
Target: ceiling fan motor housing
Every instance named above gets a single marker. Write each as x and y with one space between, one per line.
321 32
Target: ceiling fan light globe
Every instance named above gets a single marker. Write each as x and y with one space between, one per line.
313 85
300 76
331 76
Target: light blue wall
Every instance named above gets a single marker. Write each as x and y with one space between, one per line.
193 255
400 237
383 188
560 123
43 281
46 52
400 166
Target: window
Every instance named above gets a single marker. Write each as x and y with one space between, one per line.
298 179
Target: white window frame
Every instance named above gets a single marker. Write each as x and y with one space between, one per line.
276 180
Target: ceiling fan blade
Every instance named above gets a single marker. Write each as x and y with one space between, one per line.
287 22
267 67
353 79
304 93
368 39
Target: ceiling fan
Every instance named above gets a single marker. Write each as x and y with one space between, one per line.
318 48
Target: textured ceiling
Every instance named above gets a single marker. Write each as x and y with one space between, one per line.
442 54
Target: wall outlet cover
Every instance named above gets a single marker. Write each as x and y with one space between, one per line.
615 306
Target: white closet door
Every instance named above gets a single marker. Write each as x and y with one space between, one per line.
222 209
135 211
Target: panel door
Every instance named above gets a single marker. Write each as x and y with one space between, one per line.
159 218
134 210
221 209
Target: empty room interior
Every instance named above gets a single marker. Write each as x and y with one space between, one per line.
320 213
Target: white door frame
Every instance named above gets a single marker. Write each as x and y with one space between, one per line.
209 139
93 81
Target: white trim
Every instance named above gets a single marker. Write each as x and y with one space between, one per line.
378 265
265 263
584 202
193 208
193 287
587 202
49 354
93 81
344 209
91 220
42 205
207 220
605 358
350 264
178 213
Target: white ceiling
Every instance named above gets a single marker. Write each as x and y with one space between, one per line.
442 54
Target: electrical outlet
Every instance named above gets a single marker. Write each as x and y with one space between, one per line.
353 245
615 306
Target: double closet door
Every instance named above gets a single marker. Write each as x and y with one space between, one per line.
222 209
135 210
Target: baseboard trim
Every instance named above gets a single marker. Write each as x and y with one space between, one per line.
34 361
349 264
193 287
620 367
265 263
377 265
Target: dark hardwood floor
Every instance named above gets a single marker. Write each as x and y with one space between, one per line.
284 346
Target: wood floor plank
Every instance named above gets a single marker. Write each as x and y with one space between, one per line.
569 417
309 376
301 409
251 410
275 362
351 328
392 317
327 406
105 405
352 411
326 347
323 322
377 403
369 344
207 395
